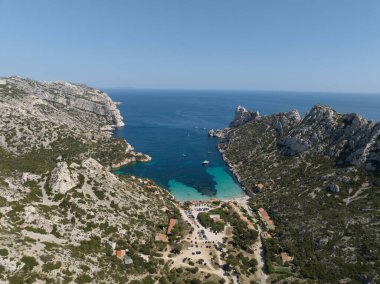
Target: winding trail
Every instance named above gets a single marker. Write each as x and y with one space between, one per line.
259 252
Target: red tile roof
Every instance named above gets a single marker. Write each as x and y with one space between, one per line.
286 257
266 218
172 222
260 186
161 237
119 253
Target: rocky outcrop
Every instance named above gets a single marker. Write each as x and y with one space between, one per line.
348 138
242 115
333 187
217 132
61 179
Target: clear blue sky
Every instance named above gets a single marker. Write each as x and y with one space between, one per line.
319 45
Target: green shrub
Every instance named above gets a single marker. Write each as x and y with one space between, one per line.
49 266
4 252
29 262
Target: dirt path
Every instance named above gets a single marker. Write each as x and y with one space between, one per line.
258 250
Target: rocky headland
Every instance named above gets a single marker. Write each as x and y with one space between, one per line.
318 178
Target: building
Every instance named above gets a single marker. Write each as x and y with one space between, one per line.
264 215
161 237
172 223
286 257
265 235
259 188
119 253
215 218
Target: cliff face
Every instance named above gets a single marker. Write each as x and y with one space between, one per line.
321 189
35 114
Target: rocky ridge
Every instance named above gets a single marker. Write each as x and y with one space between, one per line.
320 178
348 138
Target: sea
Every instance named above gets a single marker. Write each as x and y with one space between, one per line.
172 127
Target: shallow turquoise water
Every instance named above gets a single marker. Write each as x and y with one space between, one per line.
226 187
182 192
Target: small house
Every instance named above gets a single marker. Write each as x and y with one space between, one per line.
265 235
215 218
161 237
119 253
172 223
259 188
265 216
286 257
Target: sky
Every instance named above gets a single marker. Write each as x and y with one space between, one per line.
299 45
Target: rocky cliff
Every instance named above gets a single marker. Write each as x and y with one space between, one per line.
348 138
319 182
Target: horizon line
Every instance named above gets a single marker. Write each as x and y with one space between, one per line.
237 90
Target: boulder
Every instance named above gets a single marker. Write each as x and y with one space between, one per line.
292 146
61 179
332 187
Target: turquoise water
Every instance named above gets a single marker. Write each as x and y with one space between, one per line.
167 124
225 186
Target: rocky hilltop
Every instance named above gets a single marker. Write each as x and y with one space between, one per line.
318 178
60 205
348 138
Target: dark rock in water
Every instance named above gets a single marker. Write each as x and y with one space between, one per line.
333 188
377 182
242 116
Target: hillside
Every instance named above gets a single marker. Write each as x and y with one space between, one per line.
317 177
60 204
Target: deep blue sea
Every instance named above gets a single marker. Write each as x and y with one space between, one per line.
171 126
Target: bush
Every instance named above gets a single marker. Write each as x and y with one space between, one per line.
49 266
29 262
83 278
4 252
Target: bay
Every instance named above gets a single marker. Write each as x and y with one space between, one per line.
171 126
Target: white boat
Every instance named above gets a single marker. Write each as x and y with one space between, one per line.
205 162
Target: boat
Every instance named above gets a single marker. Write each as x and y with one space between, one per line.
205 162
184 155
209 152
